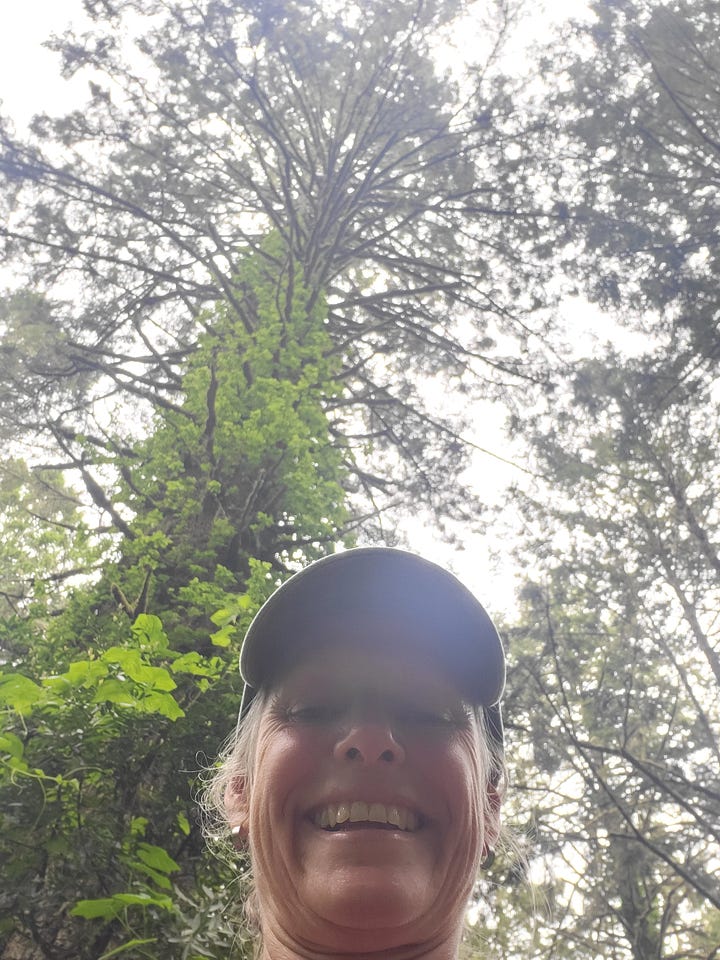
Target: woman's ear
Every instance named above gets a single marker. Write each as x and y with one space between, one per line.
237 810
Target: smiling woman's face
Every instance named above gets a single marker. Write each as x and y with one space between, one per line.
365 817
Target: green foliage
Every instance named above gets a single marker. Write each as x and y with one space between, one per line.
108 705
44 539
95 772
245 469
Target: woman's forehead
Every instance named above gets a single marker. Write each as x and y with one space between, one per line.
382 663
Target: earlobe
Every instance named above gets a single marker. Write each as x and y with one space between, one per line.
236 810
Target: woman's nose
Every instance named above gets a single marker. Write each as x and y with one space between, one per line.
370 743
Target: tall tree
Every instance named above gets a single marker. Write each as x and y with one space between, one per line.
617 672
617 653
219 122
235 266
108 704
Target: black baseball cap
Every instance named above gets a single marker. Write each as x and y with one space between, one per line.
449 622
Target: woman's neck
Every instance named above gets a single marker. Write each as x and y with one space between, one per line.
281 948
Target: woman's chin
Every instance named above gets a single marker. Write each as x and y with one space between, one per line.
368 910
371 902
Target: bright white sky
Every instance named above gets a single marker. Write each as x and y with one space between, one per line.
30 83
29 80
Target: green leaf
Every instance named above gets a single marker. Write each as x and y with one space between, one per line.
80 673
222 637
145 900
107 908
19 692
183 823
138 826
136 942
163 703
131 663
58 845
226 615
221 617
197 665
158 878
12 744
148 630
115 691
157 858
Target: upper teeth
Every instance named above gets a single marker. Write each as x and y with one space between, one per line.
358 811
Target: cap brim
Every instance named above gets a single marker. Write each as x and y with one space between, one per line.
447 620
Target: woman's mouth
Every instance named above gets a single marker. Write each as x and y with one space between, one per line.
343 815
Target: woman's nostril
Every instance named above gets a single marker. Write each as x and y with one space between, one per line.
369 742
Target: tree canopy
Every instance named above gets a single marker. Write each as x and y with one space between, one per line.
616 671
218 123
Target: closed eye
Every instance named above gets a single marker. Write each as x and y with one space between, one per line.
313 713
435 718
